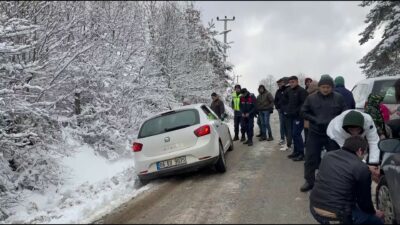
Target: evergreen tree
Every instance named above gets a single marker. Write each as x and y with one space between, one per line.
384 58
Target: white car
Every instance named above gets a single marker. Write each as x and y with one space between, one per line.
378 85
179 140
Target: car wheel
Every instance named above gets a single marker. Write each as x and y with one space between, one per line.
384 202
231 141
220 166
143 181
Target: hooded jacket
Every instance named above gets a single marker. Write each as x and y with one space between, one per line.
278 101
265 101
347 95
336 132
320 109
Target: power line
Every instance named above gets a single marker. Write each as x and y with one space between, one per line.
225 32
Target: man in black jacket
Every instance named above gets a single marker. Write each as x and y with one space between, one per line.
278 102
248 109
295 97
343 187
320 108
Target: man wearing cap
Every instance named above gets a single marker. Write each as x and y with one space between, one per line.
347 95
343 187
237 114
279 107
319 109
248 109
295 97
351 123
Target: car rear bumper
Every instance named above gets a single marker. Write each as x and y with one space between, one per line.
179 169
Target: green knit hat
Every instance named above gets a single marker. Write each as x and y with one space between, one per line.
353 118
339 80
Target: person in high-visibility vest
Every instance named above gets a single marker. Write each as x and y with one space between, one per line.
237 114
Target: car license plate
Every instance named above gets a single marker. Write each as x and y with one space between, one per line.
171 162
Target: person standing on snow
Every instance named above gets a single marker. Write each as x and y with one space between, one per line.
279 107
312 89
217 105
237 114
295 97
265 104
347 95
319 109
248 109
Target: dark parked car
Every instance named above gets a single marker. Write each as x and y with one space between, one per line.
388 189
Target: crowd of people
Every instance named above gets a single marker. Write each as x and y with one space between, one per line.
340 181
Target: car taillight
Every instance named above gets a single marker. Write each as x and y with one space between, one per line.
203 130
137 147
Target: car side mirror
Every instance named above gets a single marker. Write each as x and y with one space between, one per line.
389 145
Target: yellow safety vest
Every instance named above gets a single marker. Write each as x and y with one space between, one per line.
236 101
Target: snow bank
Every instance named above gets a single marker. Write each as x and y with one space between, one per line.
93 187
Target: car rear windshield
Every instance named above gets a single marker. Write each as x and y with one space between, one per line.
386 89
170 121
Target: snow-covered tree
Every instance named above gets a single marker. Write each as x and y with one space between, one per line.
384 58
270 83
93 70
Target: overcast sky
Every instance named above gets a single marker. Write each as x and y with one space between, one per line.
285 38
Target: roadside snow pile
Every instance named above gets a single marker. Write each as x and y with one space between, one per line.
94 186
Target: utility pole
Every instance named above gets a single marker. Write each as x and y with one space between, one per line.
225 32
237 78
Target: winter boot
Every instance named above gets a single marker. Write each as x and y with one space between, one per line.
250 143
236 137
243 138
270 138
263 138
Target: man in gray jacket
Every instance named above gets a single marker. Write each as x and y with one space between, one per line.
264 105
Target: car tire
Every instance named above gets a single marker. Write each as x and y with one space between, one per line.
143 181
220 166
231 141
384 201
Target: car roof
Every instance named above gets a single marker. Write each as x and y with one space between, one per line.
371 80
178 108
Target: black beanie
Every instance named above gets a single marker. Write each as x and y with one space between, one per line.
353 118
326 80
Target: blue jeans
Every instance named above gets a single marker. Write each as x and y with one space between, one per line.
282 125
358 217
265 126
297 128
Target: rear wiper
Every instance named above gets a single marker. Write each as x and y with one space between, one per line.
177 128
